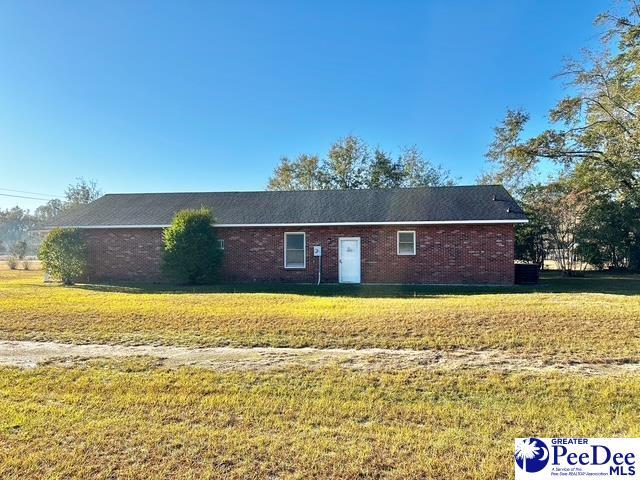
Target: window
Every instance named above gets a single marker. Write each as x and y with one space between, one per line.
406 243
295 250
220 244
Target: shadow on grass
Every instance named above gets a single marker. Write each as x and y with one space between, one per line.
550 282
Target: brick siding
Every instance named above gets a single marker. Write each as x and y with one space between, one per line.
444 254
124 254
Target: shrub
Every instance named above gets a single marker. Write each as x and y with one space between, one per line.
12 262
64 255
19 249
26 265
191 254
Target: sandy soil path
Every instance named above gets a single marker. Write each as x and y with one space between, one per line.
28 354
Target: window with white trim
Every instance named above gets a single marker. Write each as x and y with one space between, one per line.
406 243
220 244
295 254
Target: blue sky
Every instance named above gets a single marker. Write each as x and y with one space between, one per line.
196 96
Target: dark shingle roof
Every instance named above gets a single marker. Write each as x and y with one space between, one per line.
436 204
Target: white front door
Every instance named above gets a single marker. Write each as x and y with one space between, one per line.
349 260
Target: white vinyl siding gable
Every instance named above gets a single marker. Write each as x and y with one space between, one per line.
406 243
295 250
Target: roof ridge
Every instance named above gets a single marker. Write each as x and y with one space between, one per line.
314 190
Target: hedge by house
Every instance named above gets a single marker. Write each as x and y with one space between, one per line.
191 253
64 255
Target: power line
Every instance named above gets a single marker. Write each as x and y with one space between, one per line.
31 193
22 196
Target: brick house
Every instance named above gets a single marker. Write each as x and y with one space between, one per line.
455 235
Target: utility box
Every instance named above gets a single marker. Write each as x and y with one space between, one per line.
317 251
527 273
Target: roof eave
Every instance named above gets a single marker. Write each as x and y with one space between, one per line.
309 224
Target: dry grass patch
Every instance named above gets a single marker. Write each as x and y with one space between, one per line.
130 419
33 264
564 326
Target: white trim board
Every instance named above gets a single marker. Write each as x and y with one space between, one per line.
328 224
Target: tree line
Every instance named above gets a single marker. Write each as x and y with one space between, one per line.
588 212
16 224
351 163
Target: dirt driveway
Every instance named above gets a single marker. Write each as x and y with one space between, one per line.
29 354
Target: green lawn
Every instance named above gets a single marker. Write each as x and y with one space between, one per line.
595 319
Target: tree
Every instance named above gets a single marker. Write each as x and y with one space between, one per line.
530 238
302 174
15 224
64 254
308 174
191 253
19 249
284 176
349 165
561 209
418 172
49 210
595 134
383 172
603 234
346 164
17 253
81 193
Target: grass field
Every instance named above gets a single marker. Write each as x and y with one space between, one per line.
130 420
133 418
595 319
